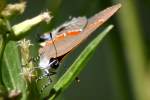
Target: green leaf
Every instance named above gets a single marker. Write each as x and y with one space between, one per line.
11 69
78 65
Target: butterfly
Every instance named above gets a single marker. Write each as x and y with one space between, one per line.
66 37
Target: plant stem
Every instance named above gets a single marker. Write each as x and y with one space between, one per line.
134 49
2 46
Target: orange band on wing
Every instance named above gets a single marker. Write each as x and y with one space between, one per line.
61 37
73 33
58 38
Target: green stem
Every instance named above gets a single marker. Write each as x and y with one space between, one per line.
2 46
134 49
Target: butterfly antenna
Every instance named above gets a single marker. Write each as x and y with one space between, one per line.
53 44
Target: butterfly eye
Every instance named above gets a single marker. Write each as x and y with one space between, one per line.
54 63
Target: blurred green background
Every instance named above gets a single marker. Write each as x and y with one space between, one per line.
120 67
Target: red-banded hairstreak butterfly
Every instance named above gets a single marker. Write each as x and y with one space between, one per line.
68 36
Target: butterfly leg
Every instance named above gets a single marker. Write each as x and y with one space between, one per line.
49 80
46 75
41 77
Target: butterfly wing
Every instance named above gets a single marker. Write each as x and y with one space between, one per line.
68 42
76 24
